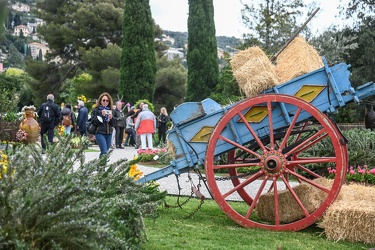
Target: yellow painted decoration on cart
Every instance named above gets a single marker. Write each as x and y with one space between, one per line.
309 92
203 135
255 114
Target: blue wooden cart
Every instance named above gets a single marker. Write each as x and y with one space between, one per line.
267 138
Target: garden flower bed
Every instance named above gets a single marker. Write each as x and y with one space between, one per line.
357 174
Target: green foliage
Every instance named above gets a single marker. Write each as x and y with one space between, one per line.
2 15
202 57
271 22
15 58
59 201
7 103
10 117
227 90
170 88
150 105
47 79
350 113
16 81
361 144
333 44
71 29
359 56
103 66
138 63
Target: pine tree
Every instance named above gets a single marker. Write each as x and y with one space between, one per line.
202 61
138 64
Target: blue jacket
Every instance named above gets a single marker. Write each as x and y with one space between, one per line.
83 116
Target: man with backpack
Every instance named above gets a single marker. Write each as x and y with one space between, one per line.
49 116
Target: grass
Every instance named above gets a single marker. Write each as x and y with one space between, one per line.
210 228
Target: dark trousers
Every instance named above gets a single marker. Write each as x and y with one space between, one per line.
161 134
130 138
48 129
119 135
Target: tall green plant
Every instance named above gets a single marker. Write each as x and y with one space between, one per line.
202 61
59 201
138 63
2 15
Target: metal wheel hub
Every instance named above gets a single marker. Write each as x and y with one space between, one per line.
273 163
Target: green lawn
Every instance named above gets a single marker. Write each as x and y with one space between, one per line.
210 228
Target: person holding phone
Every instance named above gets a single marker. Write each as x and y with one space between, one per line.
102 118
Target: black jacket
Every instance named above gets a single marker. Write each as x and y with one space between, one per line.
120 118
102 127
56 111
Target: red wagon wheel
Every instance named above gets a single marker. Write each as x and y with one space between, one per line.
271 139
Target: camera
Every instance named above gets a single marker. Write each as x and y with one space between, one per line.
107 112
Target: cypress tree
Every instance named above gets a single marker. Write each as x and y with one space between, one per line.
202 61
2 16
138 63
40 56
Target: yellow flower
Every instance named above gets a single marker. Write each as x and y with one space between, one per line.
82 98
3 164
135 172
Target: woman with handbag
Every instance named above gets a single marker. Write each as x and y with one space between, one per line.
102 118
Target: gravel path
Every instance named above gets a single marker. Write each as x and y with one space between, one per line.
170 183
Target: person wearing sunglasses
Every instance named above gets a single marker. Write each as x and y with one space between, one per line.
102 118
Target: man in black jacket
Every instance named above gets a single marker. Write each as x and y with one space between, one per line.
49 116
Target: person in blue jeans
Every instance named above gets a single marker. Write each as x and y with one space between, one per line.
131 138
102 118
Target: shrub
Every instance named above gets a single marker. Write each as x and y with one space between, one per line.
146 155
59 201
361 143
357 174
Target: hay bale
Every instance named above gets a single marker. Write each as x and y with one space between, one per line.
289 210
296 59
239 59
253 71
171 149
351 217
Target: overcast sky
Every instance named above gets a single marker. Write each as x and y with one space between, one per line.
172 15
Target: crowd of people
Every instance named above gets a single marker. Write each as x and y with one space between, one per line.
116 125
